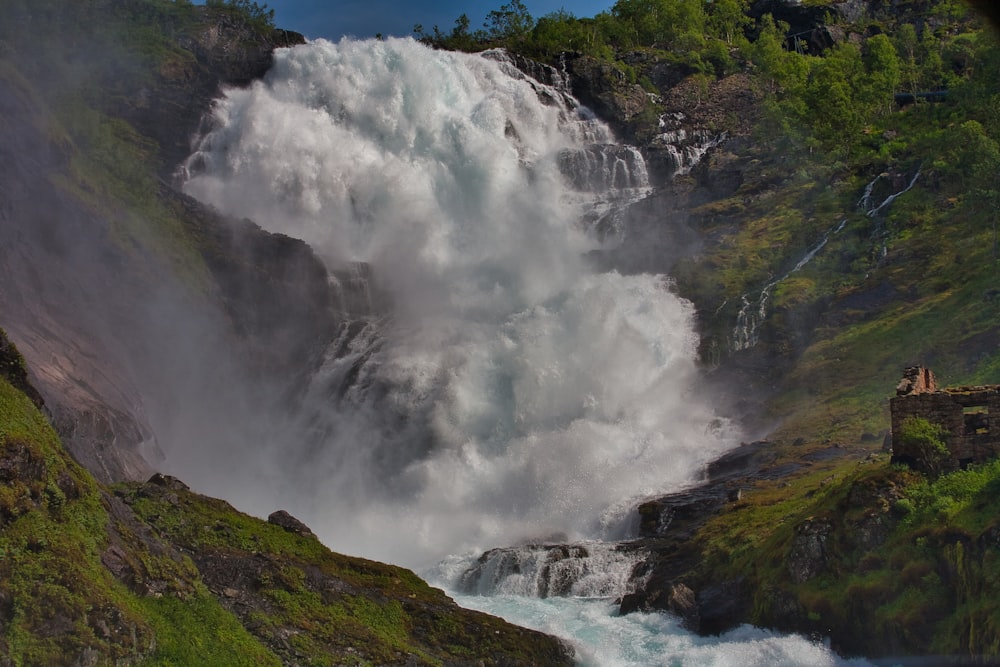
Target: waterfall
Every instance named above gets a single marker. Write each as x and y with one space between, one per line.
583 570
751 314
867 203
684 147
491 387
871 208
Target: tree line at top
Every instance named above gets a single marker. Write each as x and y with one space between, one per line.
835 103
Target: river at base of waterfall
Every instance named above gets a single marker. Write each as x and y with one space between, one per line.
602 638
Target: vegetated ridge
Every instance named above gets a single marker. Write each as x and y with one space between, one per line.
151 573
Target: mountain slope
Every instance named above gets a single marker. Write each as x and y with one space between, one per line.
152 573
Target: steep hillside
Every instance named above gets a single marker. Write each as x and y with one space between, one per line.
135 306
151 573
822 264
132 302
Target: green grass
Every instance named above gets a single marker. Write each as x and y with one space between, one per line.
198 631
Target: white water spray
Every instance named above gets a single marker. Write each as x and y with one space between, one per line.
508 392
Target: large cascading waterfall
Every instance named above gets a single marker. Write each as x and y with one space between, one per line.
501 390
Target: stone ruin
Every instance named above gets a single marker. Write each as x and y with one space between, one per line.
970 417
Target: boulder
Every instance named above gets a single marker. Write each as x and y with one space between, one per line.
290 523
807 557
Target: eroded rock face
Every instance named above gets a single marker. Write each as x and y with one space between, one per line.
605 90
807 557
50 245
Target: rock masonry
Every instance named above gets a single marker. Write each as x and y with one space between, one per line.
970 417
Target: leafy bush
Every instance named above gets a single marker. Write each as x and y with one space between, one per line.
924 440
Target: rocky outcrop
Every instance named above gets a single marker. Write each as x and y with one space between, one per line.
226 50
277 294
290 523
807 557
669 578
607 91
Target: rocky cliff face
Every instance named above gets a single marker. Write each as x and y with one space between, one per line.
116 285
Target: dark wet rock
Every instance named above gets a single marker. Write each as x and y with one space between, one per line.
684 603
870 512
606 90
722 606
807 557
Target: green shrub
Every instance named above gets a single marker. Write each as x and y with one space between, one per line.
924 440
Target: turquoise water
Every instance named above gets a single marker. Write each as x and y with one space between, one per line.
601 638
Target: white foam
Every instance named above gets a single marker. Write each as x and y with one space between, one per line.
513 392
601 638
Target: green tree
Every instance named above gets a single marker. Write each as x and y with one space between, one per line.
728 18
778 70
907 47
257 13
836 113
924 441
512 22
561 31
664 24
781 75
883 74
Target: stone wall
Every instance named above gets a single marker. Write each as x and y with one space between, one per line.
970 417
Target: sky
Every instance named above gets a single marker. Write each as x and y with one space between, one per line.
332 19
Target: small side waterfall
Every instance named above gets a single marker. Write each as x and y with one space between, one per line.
751 315
871 208
682 148
353 286
752 312
603 167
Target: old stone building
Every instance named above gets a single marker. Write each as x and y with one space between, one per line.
965 413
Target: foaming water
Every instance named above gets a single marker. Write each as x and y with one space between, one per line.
601 638
505 390
582 570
